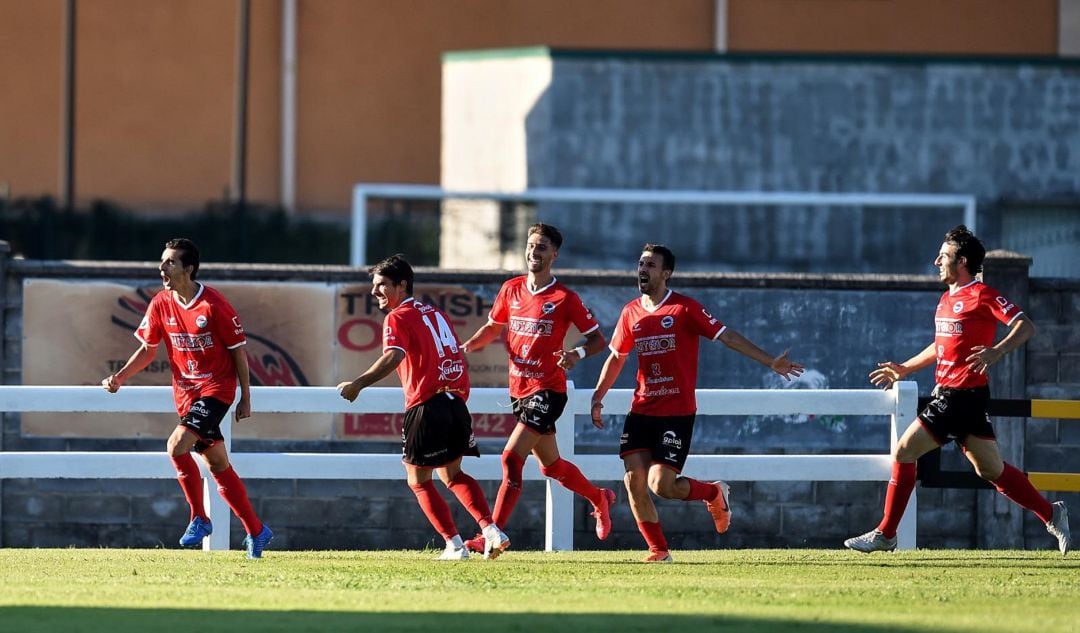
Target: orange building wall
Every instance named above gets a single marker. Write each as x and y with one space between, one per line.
155 78
998 27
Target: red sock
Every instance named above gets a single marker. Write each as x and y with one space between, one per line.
435 509
187 473
235 494
471 496
654 536
509 489
571 478
700 491
1017 487
897 494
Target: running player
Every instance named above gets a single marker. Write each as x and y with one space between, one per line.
205 340
420 343
964 350
665 328
539 311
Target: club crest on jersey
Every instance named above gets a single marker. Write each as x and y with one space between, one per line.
200 321
958 306
451 369
548 307
667 321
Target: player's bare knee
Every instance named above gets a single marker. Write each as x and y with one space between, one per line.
635 481
989 472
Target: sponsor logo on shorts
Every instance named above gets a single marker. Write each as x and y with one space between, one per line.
199 408
671 439
537 403
624 438
672 457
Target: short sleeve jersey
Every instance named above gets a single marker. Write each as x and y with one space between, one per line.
537 325
433 360
965 319
666 340
198 336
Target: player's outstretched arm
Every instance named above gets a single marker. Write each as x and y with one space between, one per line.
380 369
138 362
781 364
888 372
983 357
486 334
612 366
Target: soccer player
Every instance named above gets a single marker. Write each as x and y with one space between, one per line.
420 343
964 351
539 311
665 328
205 340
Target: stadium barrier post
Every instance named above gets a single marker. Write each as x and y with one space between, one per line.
559 514
220 514
907 404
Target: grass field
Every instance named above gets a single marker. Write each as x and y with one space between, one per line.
810 591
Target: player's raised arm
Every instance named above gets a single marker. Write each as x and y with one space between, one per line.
781 364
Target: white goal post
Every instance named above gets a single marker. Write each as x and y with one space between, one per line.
898 403
363 192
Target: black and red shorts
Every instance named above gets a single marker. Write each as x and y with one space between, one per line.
539 411
666 438
437 431
954 414
204 420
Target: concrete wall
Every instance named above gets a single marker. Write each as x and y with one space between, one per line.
989 128
838 325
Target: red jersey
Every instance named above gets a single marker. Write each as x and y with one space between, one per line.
538 322
666 340
198 337
966 318
433 360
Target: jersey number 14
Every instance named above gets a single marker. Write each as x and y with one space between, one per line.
443 334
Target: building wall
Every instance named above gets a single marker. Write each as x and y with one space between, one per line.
991 128
155 79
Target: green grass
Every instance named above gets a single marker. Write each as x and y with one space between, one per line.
810 591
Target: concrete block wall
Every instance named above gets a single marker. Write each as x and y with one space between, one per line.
991 128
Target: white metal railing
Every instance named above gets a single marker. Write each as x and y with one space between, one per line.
899 403
362 192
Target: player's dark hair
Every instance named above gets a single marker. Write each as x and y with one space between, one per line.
189 253
967 246
549 232
662 251
396 269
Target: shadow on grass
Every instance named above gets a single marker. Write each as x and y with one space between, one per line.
116 620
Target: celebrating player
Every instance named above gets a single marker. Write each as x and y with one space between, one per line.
420 343
539 311
664 328
205 340
964 351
